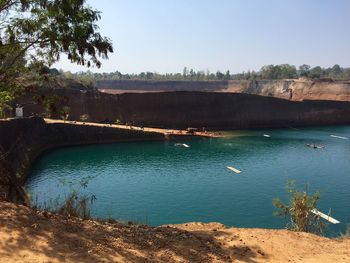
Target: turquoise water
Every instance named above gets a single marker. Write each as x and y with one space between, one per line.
159 183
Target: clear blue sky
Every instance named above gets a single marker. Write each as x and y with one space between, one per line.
239 35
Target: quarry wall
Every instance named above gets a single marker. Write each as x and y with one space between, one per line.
291 89
182 109
23 140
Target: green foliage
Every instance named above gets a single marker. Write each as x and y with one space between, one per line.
35 33
52 27
65 113
5 101
49 103
299 210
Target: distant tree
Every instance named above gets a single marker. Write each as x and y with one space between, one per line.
185 72
227 75
315 72
149 75
304 70
287 71
219 75
267 72
336 72
192 74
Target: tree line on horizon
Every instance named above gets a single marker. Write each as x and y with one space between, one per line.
275 72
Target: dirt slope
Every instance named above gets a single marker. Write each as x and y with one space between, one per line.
28 236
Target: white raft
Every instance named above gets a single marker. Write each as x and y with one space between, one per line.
324 216
234 169
339 137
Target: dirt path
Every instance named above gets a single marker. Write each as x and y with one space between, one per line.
146 129
29 236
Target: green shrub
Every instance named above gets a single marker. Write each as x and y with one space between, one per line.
65 113
299 210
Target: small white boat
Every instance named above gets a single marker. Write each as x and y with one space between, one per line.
233 169
267 136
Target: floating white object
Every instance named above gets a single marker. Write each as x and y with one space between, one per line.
182 144
266 135
324 216
339 137
234 169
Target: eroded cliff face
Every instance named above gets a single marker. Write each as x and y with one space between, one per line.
294 89
213 110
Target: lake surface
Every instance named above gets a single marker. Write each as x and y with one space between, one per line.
160 183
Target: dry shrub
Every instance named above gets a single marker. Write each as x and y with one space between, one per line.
299 210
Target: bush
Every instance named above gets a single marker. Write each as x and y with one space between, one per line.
65 113
77 206
299 210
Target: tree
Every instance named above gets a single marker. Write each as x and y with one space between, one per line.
304 70
39 31
316 72
192 74
227 75
185 72
53 27
267 72
336 72
219 75
149 75
287 71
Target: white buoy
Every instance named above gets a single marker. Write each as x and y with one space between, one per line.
339 137
266 135
324 216
234 169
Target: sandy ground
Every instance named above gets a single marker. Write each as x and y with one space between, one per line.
30 236
145 129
